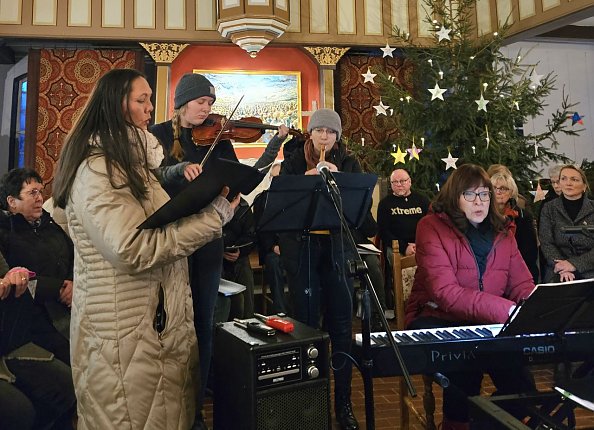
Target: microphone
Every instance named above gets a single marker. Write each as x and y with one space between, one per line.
578 229
328 177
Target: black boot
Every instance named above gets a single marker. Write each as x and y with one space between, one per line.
344 415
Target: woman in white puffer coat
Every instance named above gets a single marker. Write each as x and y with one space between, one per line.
133 344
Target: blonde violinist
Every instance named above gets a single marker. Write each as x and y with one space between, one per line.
316 263
194 98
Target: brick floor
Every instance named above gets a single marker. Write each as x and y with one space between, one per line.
385 398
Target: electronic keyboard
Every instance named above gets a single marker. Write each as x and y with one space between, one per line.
477 347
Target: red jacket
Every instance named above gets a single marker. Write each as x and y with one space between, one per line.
447 276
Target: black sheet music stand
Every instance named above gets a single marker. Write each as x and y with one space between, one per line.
554 308
302 203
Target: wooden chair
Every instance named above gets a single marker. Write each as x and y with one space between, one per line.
405 401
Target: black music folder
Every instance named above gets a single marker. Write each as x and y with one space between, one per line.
554 308
302 202
240 178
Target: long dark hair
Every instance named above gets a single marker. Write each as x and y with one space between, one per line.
448 200
103 119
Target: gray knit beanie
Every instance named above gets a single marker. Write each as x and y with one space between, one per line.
192 86
325 118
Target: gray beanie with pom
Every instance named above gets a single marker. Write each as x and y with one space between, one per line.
192 86
325 118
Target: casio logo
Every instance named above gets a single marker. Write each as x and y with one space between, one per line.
543 349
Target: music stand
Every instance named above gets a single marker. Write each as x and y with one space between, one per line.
554 308
302 203
306 203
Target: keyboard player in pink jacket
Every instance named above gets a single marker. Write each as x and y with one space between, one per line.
469 272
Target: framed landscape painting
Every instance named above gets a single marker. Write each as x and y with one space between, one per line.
274 97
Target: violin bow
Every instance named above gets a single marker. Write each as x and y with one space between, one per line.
221 131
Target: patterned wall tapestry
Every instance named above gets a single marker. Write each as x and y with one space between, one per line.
64 83
359 119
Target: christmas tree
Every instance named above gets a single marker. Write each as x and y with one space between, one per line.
465 102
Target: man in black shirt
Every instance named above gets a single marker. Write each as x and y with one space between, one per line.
398 214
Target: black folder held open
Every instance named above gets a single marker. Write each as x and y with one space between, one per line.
240 178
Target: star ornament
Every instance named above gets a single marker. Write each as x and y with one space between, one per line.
413 152
368 77
576 118
443 33
381 109
398 156
436 92
482 103
387 51
535 79
450 161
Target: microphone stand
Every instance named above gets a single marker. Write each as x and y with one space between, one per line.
359 268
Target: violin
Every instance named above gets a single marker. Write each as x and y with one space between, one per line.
245 130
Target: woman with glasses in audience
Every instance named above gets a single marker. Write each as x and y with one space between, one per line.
568 256
469 272
506 199
30 238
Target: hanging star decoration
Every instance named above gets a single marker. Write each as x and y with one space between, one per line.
576 118
443 33
398 156
436 92
413 152
387 51
535 79
369 76
450 161
539 194
482 103
381 109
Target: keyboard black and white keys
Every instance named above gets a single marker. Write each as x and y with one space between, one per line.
472 348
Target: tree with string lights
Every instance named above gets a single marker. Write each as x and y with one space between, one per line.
468 104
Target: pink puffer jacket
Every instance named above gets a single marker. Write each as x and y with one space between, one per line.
447 283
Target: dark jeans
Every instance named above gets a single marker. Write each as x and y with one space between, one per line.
42 396
377 279
242 305
322 285
468 384
275 278
205 274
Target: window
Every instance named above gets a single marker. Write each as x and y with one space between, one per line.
17 147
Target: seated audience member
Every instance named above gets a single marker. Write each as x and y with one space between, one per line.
29 237
493 169
36 390
361 236
568 256
398 214
239 237
469 271
506 197
269 252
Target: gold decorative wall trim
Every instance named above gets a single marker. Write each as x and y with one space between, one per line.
164 53
326 55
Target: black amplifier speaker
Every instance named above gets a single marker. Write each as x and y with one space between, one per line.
278 382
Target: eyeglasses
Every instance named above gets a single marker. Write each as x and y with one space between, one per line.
470 196
400 182
34 193
501 189
321 130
